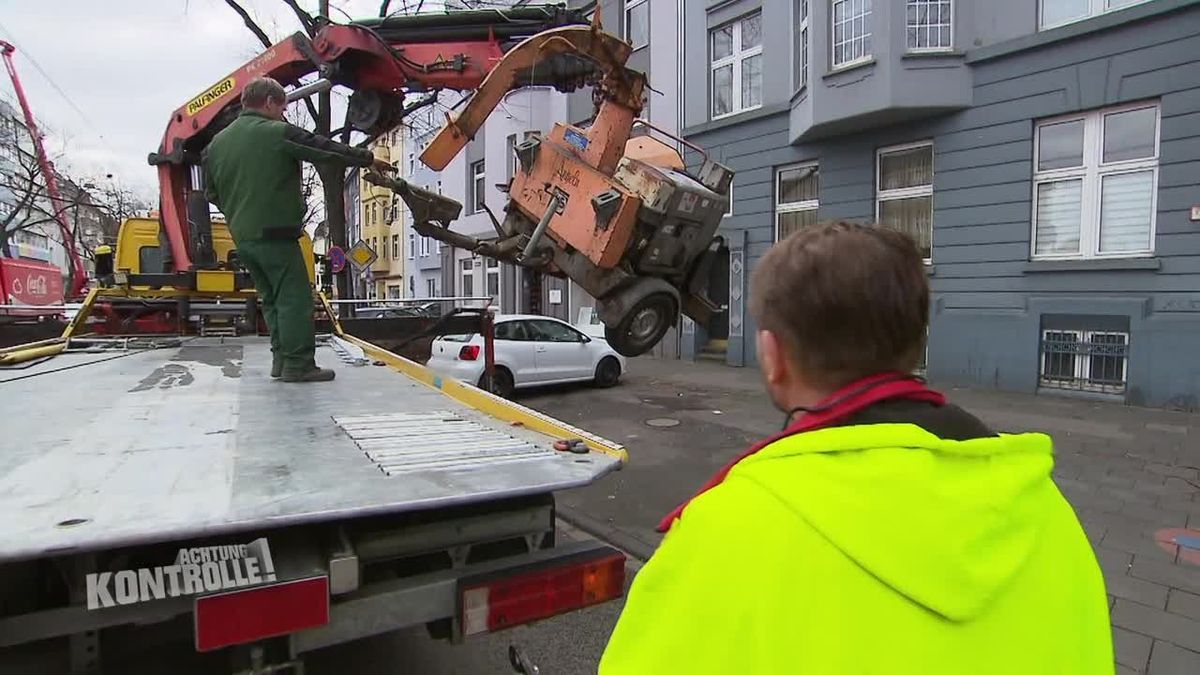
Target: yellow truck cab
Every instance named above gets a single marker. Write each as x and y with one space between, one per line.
139 252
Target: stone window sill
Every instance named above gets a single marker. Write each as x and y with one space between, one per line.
1092 265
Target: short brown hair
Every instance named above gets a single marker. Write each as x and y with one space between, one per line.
263 89
847 300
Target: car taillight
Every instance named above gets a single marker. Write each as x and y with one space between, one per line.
253 614
468 353
514 600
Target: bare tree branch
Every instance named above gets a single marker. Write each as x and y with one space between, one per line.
306 19
266 40
250 24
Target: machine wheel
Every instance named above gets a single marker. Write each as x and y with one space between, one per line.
643 325
608 372
502 382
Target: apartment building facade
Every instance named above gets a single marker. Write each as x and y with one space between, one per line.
18 162
382 224
352 198
1042 152
423 263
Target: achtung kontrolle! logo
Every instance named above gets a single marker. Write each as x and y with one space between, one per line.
203 569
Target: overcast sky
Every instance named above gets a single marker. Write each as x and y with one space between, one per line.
126 64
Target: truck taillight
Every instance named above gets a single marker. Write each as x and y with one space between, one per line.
468 353
267 611
529 596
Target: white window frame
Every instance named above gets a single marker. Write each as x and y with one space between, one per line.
629 6
431 288
882 195
1091 175
478 185
729 211
928 50
793 207
803 10
1095 8
412 246
1082 371
510 156
867 55
491 268
735 58
466 268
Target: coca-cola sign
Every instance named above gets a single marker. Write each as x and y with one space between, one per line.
30 282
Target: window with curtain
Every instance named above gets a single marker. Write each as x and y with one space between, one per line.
736 66
929 25
904 192
478 179
851 32
800 47
1055 13
796 198
637 23
1095 181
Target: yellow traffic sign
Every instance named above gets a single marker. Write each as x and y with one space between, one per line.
361 255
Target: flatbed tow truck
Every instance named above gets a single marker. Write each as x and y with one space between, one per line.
390 498
154 477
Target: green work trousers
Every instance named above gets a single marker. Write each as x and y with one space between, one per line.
281 280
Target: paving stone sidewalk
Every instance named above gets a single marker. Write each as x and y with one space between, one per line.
1132 474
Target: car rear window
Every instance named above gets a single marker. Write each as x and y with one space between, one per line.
458 338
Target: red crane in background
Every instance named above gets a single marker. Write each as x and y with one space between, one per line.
78 272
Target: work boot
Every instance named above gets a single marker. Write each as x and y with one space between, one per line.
313 374
276 366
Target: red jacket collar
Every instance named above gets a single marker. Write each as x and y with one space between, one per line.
838 406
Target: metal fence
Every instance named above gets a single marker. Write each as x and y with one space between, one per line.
1093 361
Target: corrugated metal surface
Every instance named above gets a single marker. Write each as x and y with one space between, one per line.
405 442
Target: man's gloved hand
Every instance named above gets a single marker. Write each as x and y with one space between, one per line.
382 166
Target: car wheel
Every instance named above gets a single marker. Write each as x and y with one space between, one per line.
502 382
643 325
608 372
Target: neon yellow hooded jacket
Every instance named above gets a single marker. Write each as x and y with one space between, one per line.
877 548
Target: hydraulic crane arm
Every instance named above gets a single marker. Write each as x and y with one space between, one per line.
380 60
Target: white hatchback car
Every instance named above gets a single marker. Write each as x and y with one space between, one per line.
530 351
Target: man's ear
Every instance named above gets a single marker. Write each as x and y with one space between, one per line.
771 357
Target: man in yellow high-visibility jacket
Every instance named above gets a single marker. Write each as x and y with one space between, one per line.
884 530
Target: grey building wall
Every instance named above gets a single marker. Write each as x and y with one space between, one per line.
421 269
990 300
894 86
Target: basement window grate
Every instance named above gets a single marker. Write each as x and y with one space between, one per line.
1091 361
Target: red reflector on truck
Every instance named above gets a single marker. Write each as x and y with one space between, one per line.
245 616
500 603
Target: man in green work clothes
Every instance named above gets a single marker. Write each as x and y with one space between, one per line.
252 173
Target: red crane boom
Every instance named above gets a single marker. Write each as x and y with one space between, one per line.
57 204
381 60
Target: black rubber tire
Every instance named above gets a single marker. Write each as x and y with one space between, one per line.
502 382
643 326
608 372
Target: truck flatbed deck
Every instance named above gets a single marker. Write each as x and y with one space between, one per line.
120 448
